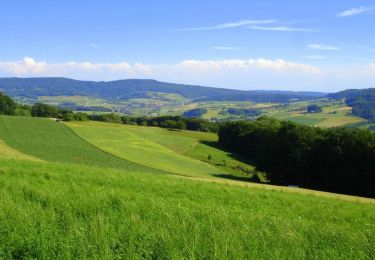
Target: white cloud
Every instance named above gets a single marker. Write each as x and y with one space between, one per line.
323 47
29 66
278 65
355 11
230 73
225 48
315 57
25 66
236 24
283 29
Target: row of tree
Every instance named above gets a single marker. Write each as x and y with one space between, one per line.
171 122
9 107
336 160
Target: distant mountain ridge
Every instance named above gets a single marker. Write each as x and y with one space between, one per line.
138 88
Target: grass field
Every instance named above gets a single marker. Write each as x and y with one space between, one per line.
178 152
86 202
334 114
51 141
117 140
64 211
10 153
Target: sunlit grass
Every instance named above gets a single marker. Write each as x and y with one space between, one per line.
73 211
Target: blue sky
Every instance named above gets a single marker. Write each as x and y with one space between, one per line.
270 44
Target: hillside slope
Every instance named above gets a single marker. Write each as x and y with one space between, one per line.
51 141
68 211
137 88
118 140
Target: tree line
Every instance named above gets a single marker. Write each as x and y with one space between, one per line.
337 160
171 122
9 107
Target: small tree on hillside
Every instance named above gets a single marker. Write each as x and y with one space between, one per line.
7 105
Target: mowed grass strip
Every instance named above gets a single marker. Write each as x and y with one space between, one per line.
10 153
51 141
118 140
194 144
62 211
179 141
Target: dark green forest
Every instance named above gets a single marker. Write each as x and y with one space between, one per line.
337 160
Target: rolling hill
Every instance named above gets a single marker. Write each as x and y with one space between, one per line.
102 191
32 88
50 141
100 197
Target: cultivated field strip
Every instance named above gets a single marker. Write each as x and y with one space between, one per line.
52 141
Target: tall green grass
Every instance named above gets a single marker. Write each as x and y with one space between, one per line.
64 211
52 141
136 147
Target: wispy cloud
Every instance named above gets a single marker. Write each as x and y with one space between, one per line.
323 47
94 46
236 24
355 11
315 57
283 29
225 48
277 65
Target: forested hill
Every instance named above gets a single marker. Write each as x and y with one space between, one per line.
351 93
362 101
138 88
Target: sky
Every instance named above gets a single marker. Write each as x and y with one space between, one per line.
314 45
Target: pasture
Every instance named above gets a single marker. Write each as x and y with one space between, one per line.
61 211
115 139
103 191
48 140
177 152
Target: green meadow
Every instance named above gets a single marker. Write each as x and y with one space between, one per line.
105 191
48 140
118 140
51 210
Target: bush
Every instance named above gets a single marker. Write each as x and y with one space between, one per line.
110 118
22 110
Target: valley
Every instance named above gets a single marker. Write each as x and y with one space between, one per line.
104 190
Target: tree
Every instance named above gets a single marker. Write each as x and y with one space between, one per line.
44 110
196 112
7 105
314 109
23 110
